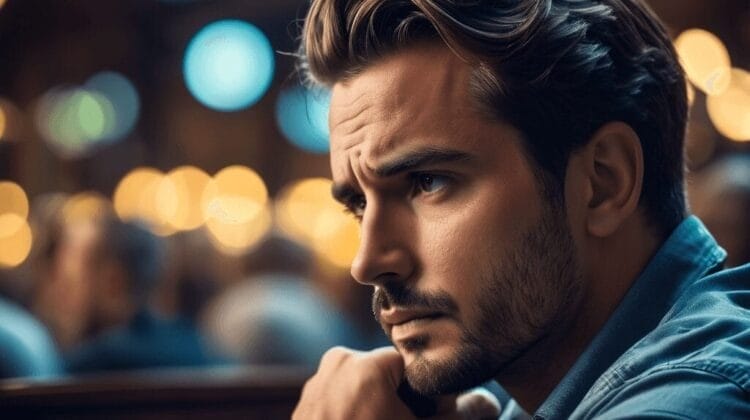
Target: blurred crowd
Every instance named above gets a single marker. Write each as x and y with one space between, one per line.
99 294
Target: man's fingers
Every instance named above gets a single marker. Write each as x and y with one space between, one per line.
477 404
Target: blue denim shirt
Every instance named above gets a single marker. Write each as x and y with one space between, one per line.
677 346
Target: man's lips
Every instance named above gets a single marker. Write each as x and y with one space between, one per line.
398 316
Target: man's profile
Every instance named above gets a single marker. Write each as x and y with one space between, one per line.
517 171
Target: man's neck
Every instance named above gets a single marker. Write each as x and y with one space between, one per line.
613 266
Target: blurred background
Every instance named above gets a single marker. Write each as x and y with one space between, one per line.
164 183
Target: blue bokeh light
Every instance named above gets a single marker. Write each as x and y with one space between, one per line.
228 65
302 115
124 99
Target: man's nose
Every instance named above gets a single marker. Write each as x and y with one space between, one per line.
384 253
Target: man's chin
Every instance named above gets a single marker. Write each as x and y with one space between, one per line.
440 371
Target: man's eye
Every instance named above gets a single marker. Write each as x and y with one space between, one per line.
356 206
430 183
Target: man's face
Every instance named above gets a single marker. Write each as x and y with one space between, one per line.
471 265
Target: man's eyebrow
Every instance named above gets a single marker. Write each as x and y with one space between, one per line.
344 192
419 158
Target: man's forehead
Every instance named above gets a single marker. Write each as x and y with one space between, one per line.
405 92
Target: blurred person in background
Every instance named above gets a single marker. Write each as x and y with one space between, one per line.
125 266
720 196
59 295
278 314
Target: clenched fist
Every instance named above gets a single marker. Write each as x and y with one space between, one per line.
357 385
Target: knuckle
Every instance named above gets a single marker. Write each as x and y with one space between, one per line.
335 355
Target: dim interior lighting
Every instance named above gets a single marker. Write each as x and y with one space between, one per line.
120 93
13 200
15 240
302 115
73 120
306 212
700 144
705 60
228 65
234 238
85 206
139 195
234 195
180 195
730 111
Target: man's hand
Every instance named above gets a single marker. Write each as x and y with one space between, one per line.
364 385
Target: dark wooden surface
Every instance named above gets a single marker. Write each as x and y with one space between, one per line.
261 392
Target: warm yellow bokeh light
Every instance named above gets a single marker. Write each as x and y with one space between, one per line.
13 199
705 60
234 195
300 204
307 212
690 93
85 206
237 238
730 111
337 239
135 198
3 117
180 197
15 240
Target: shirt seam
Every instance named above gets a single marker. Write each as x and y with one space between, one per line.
692 366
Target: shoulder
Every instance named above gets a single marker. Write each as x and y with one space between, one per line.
694 364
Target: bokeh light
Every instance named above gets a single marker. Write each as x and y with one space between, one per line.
336 238
13 200
85 206
234 195
306 212
124 101
228 65
302 115
705 60
180 197
235 238
139 195
730 110
3 119
15 240
73 120
690 93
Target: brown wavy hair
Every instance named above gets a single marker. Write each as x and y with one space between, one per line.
555 69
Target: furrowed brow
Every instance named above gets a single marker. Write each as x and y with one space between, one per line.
420 158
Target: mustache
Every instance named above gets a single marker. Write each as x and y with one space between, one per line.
396 294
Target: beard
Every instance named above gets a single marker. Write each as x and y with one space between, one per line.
521 297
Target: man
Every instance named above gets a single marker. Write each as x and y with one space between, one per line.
517 170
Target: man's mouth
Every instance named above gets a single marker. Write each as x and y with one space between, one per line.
402 316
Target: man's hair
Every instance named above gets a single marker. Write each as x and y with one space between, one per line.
555 69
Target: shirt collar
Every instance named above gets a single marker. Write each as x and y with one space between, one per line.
687 255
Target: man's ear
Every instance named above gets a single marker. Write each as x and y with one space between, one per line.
610 167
